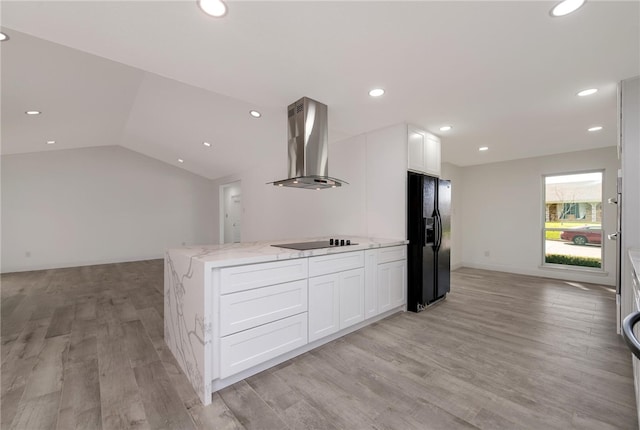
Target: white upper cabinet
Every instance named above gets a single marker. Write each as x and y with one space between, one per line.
424 151
417 150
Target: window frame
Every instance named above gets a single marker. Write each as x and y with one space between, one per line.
544 229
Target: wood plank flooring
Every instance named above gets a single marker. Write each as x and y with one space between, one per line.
83 348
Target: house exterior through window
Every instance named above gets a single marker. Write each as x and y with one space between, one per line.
574 201
572 232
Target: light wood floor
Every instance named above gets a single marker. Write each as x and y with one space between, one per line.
83 348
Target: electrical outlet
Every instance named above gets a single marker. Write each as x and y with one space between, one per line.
184 243
487 254
27 254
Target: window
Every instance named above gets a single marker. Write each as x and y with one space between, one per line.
572 233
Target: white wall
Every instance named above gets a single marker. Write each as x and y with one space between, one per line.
454 173
372 204
386 182
501 213
98 205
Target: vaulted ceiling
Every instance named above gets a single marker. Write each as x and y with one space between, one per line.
162 77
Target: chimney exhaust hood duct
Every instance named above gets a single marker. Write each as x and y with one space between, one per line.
308 147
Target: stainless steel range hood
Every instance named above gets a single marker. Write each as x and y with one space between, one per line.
308 147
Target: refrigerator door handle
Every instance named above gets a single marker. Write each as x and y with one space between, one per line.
424 231
438 241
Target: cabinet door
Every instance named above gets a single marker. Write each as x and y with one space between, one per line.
392 285
417 150
370 287
324 306
432 155
351 286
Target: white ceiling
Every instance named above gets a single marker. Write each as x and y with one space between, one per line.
161 77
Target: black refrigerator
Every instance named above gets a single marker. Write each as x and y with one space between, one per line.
429 234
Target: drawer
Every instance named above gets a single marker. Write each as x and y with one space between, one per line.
251 308
334 263
240 278
392 253
249 348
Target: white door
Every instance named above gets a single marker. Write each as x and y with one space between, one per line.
230 212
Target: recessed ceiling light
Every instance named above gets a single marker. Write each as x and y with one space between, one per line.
483 148
216 8
596 128
255 113
3 37
207 144
446 128
376 92
587 92
50 142
566 7
180 160
33 112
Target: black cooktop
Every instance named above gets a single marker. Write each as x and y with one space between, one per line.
303 246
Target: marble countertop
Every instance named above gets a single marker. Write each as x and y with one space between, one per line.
235 254
634 255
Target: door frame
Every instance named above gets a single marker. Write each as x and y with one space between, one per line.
222 207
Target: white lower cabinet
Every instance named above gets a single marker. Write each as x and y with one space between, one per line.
351 286
269 309
336 292
334 263
247 277
634 285
370 290
336 301
392 284
324 306
251 308
249 348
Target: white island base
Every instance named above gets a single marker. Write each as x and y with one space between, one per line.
232 311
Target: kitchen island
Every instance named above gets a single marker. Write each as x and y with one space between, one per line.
233 310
